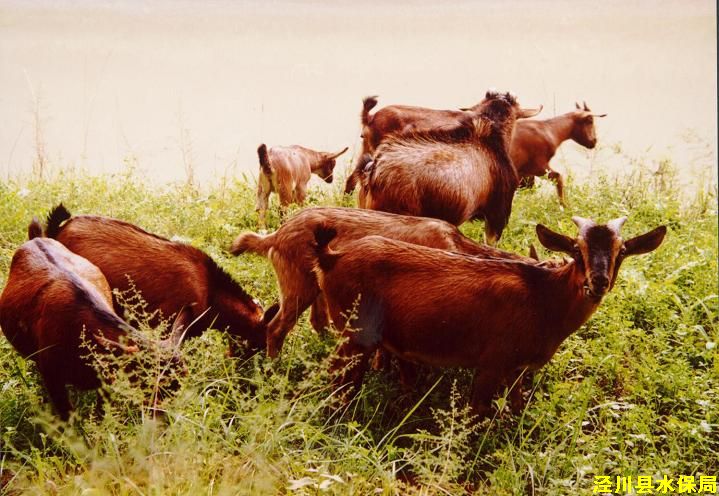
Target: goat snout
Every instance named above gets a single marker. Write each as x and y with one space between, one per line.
600 283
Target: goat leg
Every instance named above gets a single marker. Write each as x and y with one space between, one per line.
516 392
57 392
526 182
491 236
559 181
350 364
291 307
407 374
319 316
180 326
485 384
262 205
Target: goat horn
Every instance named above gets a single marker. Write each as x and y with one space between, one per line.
533 252
616 224
582 223
577 105
340 153
585 106
525 113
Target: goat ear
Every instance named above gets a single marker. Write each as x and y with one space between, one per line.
526 113
554 241
270 313
599 115
646 242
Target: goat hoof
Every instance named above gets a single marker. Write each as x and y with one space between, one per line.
273 348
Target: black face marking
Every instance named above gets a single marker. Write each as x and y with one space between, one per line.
599 258
327 170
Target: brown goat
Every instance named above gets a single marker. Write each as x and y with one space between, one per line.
432 174
291 251
404 119
174 279
452 310
54 302
535 142
286 170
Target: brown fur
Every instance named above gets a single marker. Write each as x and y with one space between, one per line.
52 302
433 175
534 143
403 119
286 170
291 251
445 309
175 279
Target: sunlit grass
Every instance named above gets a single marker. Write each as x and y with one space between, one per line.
634 392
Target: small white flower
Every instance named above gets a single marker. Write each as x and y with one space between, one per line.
333 477
300 483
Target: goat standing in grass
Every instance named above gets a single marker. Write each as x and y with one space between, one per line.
534 143
403 119
286 170
291 251
445 309
53 305
432 174
174 279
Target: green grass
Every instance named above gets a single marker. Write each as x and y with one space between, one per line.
633 392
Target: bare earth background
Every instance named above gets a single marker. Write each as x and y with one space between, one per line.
164 84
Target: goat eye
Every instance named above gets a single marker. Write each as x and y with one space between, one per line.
622 251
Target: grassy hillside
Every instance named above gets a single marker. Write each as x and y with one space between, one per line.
634 392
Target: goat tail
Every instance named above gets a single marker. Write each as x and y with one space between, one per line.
326 258
253 243
55 218
264 159
368 103
34 230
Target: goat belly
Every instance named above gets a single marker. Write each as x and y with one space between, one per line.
370 323
437 340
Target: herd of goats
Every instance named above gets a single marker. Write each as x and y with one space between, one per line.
396 277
